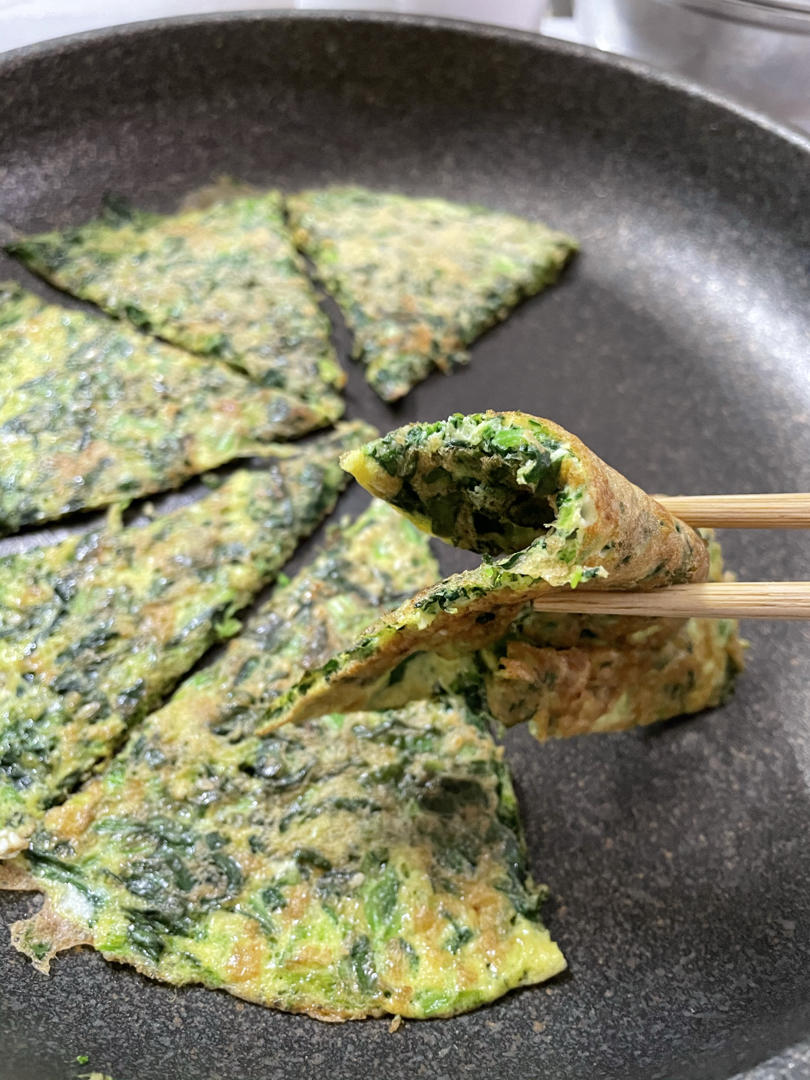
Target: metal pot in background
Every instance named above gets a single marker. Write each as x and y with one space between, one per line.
757 51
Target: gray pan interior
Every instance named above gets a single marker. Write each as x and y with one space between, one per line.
677 347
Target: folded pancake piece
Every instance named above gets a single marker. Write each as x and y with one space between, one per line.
599 688
494 482
223 281
353 866
94 631
92 412
418 280
592 529
595 683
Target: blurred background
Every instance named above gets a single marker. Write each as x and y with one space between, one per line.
757 51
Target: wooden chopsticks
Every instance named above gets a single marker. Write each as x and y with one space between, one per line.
713 599
707 600
785 511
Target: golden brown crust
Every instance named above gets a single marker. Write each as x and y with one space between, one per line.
578 691
15 877
45 934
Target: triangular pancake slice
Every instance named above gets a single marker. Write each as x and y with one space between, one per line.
94 631
92 412
510 478
354 866
419 280
223 281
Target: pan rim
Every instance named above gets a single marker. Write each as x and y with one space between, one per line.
14 59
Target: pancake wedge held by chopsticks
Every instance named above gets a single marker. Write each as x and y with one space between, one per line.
508 477
92 412
418 280
353 866
94 631
223 281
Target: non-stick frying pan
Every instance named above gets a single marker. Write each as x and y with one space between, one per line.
677 347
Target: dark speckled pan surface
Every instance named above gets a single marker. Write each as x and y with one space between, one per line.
677 347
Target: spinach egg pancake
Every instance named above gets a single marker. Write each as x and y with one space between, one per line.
489 482
511 477
355 865
224 281
92 412
418 280
95 630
